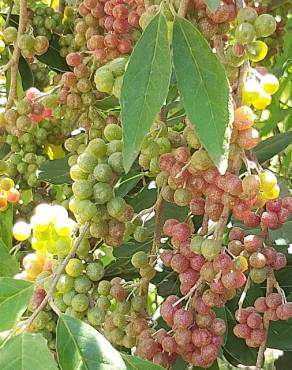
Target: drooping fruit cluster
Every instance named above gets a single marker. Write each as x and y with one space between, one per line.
95 171
109 78
259 257
196 335
8 193
47 21
160 140
258 89
108 28
52 230
28 44
250 28
251 319
41 75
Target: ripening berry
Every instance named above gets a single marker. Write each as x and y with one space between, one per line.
197 206
240 264
166 257
254 321
258 336
257 260
196 243
248 139
183 337
210 248
207 272
246 14
233 280
235 247
245 33
258 276
197 262
257 51
13 196
283 215
179 263
260 304
241 316
218 327
287 203
169 225
272 194
240 210
265 25
182 197
269 220
273 300
212 299
284 311
271 315
268 180
74 267
280 261
181 232
236 233
274 205
270 84
74 59
139 259
183 318
252 243
189 277
201 337
21 231
252 220
251 185
217 287
222 263
243 118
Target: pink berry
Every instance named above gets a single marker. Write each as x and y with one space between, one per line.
169 344
183 318
252 243
274 300
166 257
181 232
168 226
218 327
258 336
179 263
197 262
279 262
274 205
242 331
166 162
252 220
270 315
236 233
189 277
283 215
222 262
241 316
197 206
183 336
269 220
201 337
287 203
260 304
254 321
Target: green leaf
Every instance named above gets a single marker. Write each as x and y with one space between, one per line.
236 347
6 224
9 265
107 103
136 363
52 57
274 145
212 4
27 352
81 347
4 150
26 74
56 172
127 182
280 334
122 265
26 196
204 90
15 296
145 86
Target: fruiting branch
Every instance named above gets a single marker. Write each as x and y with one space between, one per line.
13 63
57 276
261 352
182 11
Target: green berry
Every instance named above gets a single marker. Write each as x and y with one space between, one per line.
74 267
265 25
95 271
80 302
82 284
210 248
104 287
139 260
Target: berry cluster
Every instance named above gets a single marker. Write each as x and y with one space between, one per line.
258 89
109 78
41 75
8 193
52 230
47 21
251 319
28 44
117 21
95 170
197 335
251 26
253 253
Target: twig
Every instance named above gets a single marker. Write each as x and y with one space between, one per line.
261 352
243 295
243 71
9 14
57 277
281 292
219 46
13 63
182 11
190 293
204 229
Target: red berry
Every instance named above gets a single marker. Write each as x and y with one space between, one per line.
179 263
252 220
201 337
111 41
241 316
260 304
274 300
242 331
169 344
197 262
283 215
270 315
222 263
252 243
189 277
254 321
181 232
269 220
236 233
166 257
287 203
168 226
125 46
279 262
183 336
74 59
218 327
274 205
284 311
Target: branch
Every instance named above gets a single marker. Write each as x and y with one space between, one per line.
261 352
243 295
13 63
182 11
62 4
190 293
57 276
